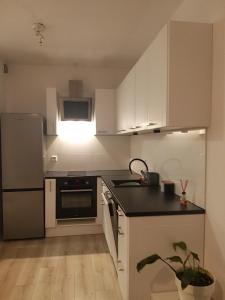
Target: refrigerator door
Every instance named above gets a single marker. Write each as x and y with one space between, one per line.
23 215
22 151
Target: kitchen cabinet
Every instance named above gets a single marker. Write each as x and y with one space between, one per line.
139 237
126 104
151 84
52 111
172 80
105 111
50 203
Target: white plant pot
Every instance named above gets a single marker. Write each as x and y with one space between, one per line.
195 292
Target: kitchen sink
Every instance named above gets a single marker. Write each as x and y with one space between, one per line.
127 183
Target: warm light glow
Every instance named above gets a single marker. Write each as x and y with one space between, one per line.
76 132
196 131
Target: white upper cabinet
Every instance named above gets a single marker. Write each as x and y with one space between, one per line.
126 103
151 84
171 80
190 74
51 111
105 111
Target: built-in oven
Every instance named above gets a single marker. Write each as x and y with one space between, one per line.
76 197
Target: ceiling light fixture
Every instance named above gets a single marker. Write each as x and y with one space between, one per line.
39 28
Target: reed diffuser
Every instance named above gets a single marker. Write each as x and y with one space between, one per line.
184 184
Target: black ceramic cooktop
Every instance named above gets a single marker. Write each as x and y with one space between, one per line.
98 173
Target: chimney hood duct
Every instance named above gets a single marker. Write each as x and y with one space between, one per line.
75 88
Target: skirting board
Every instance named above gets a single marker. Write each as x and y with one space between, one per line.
165 296
66 230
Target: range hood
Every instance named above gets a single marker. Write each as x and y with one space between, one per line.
76 107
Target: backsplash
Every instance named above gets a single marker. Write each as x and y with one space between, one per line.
95 153
175 156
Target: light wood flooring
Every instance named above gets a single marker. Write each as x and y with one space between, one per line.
62 268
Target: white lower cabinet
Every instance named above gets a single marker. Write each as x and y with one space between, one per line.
139 237
50 203
123 254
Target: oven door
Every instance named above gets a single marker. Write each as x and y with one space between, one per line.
76 203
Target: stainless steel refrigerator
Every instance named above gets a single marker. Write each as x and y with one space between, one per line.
22 193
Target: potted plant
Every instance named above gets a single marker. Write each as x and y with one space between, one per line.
193 282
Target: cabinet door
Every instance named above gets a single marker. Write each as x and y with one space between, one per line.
157 86
120 109
126 103
142 94
129 98
105 111
50 203
151 84
51 111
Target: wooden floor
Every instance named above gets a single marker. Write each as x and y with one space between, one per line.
62 268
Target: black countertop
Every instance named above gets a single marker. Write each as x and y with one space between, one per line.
148 201
98 173
136 201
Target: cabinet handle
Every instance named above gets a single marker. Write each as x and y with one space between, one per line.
132 127
120 214
151 124
120 268
50 186
138 126
102 203
121 130
120 232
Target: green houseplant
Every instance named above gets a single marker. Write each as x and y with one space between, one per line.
193 282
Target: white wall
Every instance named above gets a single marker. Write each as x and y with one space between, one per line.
25 85
215 193
175 156
25 91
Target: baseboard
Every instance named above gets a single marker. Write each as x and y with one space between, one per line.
71 229
165 296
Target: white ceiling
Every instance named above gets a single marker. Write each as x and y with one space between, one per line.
109 33
102 33
200 11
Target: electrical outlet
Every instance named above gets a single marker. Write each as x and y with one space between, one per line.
54 158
